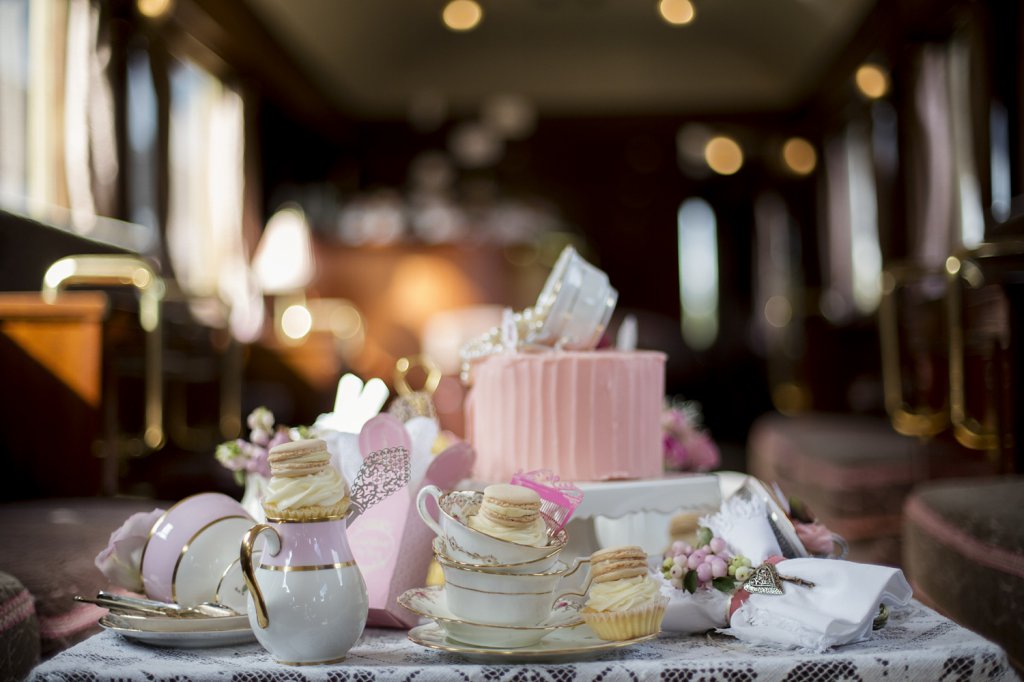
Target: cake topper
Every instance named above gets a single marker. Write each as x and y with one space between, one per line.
571 312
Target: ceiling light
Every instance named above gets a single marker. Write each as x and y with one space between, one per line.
723 155
677 12
462 15
154 9
872 80
799 156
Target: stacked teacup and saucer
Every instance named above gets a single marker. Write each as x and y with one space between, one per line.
499 592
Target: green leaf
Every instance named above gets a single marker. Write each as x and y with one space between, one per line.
240 477
704 536
724 584
690 581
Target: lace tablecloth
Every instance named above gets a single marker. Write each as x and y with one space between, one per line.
917 644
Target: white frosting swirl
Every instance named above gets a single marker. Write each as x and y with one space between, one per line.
326 488
621 595
535 535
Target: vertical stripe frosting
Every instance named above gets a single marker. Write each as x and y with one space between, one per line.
588 415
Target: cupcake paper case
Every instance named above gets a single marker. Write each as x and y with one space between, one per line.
624 602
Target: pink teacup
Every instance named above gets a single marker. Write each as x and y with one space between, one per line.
191 553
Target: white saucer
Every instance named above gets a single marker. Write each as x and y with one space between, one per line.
181 632
430 602
563 644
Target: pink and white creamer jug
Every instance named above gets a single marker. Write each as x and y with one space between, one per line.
307 598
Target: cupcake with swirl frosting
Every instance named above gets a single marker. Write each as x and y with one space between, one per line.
623 602
303 484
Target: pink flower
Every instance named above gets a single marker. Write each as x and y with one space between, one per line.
816 537
121 561
704 455
686 446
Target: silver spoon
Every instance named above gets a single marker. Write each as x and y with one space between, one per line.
124 603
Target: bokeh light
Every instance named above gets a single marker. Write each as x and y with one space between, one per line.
462 15
872 81
723 155
799 156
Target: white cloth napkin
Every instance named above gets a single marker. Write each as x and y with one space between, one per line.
698 612
743 524
838 610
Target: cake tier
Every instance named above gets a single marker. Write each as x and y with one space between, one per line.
588 416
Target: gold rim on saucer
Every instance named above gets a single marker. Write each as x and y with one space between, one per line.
456 647
403 601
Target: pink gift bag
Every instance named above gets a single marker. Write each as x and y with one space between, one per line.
390 542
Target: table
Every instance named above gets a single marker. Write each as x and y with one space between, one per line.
917 644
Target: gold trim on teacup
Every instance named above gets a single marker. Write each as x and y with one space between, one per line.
184 551
319 567
319 519
403 601
223 577
327 662
495 569
491 568
449 583
152 532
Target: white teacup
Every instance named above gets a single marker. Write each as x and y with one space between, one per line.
524 599
578 300
469 546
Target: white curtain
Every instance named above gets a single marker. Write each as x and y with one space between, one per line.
204 223
852 257
13 99
945 209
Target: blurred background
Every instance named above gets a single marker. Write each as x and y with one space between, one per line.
790 197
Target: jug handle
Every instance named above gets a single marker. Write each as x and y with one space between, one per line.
245 559
421 506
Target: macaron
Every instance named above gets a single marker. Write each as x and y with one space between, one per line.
618 563
510 505
299 458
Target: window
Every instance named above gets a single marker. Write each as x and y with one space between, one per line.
698 273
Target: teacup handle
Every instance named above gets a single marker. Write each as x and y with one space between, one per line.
576 598
421 506
273 546
577 563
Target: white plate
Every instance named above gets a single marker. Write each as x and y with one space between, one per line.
181 632
563 644
430 602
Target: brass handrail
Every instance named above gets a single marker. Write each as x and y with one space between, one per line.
123 270
909 421
964 269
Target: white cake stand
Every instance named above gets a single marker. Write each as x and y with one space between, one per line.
638 512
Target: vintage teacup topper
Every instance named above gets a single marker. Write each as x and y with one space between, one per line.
572 312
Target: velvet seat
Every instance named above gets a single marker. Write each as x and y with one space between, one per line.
854 472
963 552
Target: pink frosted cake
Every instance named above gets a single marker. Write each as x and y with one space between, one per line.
588 416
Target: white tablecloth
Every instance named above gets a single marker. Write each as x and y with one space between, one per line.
917 644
